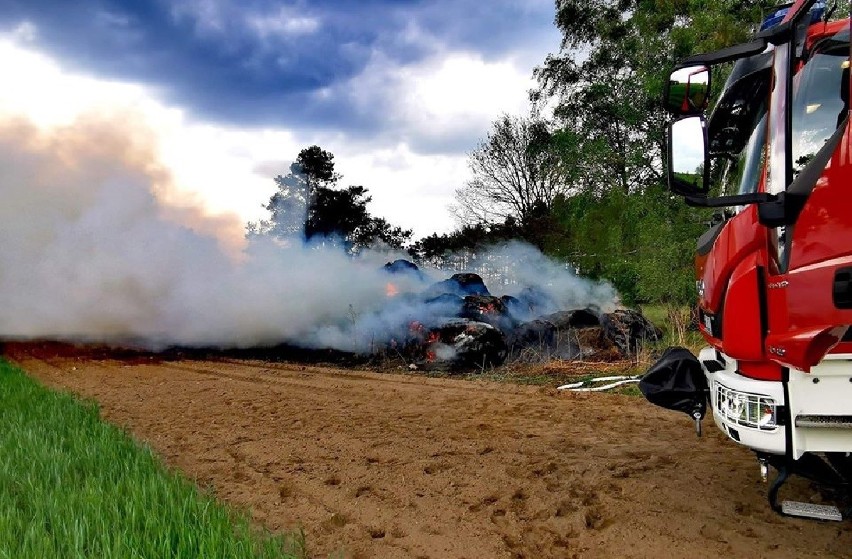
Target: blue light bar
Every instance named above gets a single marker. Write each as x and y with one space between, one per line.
776 17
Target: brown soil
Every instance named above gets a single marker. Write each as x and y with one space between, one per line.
401 465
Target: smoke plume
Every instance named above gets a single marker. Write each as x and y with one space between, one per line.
97 245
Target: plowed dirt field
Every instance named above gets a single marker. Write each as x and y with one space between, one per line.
404 466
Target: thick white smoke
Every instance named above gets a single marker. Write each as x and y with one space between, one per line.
95 245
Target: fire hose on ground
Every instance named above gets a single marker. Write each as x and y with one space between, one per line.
592 385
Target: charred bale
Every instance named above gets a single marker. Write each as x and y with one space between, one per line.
533 334
541 340
579 334
459 284
595 344
538 341
401 266
629 330
577 318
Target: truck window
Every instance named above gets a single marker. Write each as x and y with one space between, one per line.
820 98
743 175
737 128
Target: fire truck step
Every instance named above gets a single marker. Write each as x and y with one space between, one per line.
825 421
809 510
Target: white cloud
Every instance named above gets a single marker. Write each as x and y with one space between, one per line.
409 189
230 169
434 112
437 110
442 102
208 16
38 88
462 92
24 32
284 23
210 164
112 19
218 18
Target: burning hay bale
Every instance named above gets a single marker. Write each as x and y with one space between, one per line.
489 309
457 324
457 345
463 326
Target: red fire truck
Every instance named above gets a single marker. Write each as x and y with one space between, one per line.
774 270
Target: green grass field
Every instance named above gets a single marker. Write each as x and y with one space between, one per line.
72 486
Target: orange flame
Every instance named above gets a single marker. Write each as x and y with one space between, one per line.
391 290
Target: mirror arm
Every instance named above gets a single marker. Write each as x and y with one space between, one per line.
725 201
776 36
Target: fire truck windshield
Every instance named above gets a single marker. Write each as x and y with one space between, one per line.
820 97
737 128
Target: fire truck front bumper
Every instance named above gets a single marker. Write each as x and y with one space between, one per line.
749 411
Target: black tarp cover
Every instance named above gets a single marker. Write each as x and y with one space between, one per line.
676 382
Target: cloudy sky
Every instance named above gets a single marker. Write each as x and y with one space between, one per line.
399 90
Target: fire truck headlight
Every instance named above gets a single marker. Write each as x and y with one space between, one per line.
745 409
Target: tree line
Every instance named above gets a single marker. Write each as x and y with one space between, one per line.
583 180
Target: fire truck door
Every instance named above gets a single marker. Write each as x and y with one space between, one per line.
810 299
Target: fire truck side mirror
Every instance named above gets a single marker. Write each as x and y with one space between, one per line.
687 90
688 162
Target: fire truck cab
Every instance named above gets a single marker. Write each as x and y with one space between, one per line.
774 270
